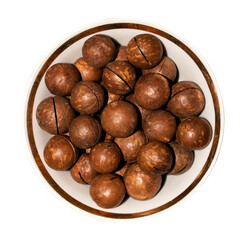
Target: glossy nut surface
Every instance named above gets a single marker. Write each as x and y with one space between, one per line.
155 158
152 91
130 146
143 112
64 114
194 133
98 50
45 116
183 158
183 85
119 118
187 99
160 125
166 67
87 97
119 77
54 114
61 78
105 157
59 153
144 51
85 131
82 172
107 190
88 73
141 185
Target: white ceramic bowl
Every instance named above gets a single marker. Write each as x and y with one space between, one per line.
190 67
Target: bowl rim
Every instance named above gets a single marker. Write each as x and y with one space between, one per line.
94 28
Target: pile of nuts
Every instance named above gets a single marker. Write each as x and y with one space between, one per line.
120 122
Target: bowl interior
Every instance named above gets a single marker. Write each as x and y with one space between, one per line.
175 187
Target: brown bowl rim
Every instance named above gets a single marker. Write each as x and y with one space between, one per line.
30 103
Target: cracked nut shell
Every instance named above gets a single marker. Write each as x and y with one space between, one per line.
87 97
152 91
54 115
82 172
144 51
98 50
119 118
88 73
183 159
85 131
141 185
59 153
155 158
160 125
166 67
61 78
187 99
130 146
107 190
105 157
119 77
194 133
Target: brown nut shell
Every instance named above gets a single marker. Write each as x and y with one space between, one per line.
143 112
144 51
152 91
87 97
187 100
59 153
141 185
61 78
46 117
64 114
183 85
121 55
88 150
119 118
130 146
88 73
113 97
160 125
119 77
166 67
107 190
183 159
54 115
82 172
108 138
105 157
98 50
122 170
155 158
85 131
194 133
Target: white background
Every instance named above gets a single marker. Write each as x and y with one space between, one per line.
28 31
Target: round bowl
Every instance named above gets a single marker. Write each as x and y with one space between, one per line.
190 67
